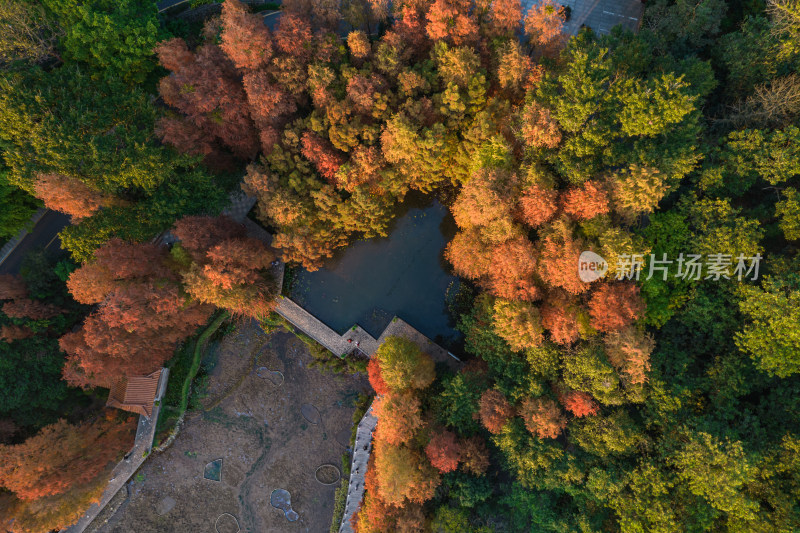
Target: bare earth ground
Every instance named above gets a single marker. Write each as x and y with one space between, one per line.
258 430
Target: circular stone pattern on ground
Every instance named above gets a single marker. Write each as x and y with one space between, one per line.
327 474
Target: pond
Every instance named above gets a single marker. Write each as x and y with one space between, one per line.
373 280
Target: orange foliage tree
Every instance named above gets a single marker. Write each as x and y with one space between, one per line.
404 474
399 416
539 129
244 38
451 20
11 333
444 451
537 205
494 410
543 417
560 318
613 306
62 456
586 201
69 195
579 403
544 22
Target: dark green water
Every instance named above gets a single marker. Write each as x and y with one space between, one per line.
402 275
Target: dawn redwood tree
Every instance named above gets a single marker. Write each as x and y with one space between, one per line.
613 306
228 270
404 473
543 417
586 201
399 417
245 38
403 365
505 17
31 309
544 22
61 456
629 351
452 20
469 255
558 260
375 378
12 287
197 234
324 156
494 410
70 195
512 269
579 403
444 451
537 205
538 127
133 332
560 318
10 333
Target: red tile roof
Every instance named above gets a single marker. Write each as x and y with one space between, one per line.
135 393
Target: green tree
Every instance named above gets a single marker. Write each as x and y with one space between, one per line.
771 335
115 38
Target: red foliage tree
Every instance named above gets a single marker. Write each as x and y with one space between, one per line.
586 201
560 318
322 154
61 456
31 309
294 37
69 195
444 451
198 234
245 39
133 332
10 333
270 105
505 17
558 262
206 87
12 287
613 306
452 20
543 417
544 22
375 379
117 262
399 417
475 455
537 205
539 128
512 268
494 410
579 403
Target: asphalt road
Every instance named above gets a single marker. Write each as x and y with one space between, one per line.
44 235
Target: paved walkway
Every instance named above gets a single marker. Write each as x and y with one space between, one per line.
145 432
355 489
